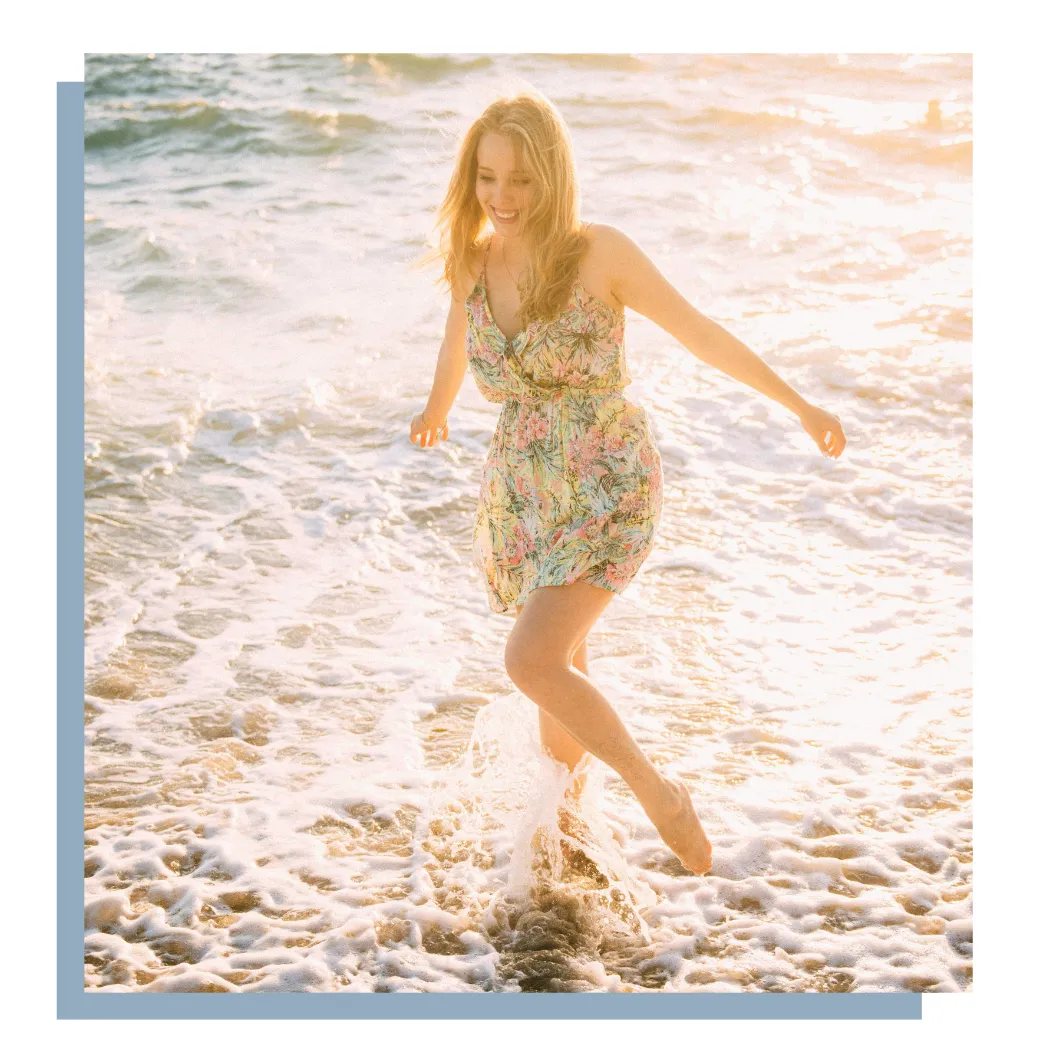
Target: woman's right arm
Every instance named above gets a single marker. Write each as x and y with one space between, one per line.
430 426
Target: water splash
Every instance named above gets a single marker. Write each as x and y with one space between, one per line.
549 880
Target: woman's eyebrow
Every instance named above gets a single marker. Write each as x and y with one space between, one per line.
487 169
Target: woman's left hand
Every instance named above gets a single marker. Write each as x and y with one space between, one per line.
825 429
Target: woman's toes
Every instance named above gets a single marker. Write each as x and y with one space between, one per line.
696 850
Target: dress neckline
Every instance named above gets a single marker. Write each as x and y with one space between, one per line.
481 283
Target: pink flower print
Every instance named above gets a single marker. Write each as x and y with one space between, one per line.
512 553
532 426
523 431
620 573
585 450
521 544
538 426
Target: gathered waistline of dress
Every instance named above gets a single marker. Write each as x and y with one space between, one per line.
530 395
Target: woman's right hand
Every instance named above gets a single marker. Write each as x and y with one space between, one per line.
424 434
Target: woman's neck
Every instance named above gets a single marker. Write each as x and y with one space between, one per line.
515 247
514 256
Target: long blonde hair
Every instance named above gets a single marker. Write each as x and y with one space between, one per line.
552 229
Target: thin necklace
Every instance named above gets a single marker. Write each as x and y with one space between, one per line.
506 264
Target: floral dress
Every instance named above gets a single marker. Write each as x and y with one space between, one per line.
571 488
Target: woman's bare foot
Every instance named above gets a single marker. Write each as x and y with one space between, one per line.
672 813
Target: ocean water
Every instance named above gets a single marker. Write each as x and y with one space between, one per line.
306 768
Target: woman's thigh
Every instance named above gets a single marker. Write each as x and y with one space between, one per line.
580 656
553 624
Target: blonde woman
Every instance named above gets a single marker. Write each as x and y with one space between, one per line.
570 496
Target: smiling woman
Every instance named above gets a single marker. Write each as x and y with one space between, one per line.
571 495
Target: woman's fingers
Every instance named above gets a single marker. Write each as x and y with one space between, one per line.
429 437
838 439
831 439
424 436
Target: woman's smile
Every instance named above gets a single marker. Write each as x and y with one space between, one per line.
502 187
508 217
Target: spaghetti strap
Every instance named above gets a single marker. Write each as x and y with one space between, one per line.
586 227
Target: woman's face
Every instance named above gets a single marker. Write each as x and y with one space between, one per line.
504 190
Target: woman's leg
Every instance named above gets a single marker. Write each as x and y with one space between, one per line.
539 657
557 742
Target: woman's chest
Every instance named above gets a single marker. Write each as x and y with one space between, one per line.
503 305
583 348
502 298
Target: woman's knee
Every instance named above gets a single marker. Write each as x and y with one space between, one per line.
525 661
530 660
522 662
534 651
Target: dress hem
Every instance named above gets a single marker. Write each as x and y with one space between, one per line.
595 579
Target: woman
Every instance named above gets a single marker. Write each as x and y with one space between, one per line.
570 497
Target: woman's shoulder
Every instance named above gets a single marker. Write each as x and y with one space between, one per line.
467 278
606 245
604 242
604 239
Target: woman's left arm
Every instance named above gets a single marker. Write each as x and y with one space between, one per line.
637 283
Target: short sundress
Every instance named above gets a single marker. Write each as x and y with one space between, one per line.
571 487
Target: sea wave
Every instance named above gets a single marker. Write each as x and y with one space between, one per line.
179 126
209 122
418 67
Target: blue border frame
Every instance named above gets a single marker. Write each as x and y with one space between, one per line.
73 1002
70 547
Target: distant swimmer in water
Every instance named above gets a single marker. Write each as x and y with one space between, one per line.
571 494
933 116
